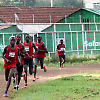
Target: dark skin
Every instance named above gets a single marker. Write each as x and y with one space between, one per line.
12 70
27 37
39 38
22 53
64 60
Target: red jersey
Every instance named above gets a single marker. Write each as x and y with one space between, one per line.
61 47
22 60
11 54
28 48
39 53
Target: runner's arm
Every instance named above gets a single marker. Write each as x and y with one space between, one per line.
36 50
3 54
19 56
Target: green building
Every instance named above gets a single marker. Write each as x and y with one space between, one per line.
79 30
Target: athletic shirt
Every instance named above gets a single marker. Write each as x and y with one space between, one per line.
28 48
39 53
11 55
22 60
61 47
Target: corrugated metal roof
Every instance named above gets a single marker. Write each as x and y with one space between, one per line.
41 14
95 11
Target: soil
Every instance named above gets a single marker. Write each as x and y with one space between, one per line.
51 74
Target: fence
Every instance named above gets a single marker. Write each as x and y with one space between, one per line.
80 38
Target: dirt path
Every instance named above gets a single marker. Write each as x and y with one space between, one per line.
51 74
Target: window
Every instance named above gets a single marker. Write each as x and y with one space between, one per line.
86 26
96 5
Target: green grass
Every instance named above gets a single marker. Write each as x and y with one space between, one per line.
79 87
1 64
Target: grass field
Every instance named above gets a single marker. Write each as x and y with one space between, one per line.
79 87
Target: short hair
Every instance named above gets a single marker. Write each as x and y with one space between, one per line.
27 35
39 36
12 37
61 40
18 34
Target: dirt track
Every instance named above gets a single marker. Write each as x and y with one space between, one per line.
52 73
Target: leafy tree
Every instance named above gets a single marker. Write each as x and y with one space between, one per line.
30 2
68 3
42 3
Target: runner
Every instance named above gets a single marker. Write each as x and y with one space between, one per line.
29 45
61 51
40 55
22 53
9 55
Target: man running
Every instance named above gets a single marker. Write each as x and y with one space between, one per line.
10 54
61 51
29 45
40 55
22 54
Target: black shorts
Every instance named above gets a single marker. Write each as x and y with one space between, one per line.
61 56
19 68
28 61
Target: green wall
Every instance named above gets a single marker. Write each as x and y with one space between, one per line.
86 16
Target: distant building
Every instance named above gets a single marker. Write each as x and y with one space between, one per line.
92 4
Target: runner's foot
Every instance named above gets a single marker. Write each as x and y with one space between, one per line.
24 76
62 66
5 94
44 68
34 79
26 85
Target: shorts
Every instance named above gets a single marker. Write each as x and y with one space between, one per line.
41 61
28 61
61 56
19 68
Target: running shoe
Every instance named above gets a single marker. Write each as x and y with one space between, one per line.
5 94
24 76
62 66
14 81
34 79
44 68
26 85
16 87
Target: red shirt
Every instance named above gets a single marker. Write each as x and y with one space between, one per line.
39 53
28 48
11 54
61 47
22 60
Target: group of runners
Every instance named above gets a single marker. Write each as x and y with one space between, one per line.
17 56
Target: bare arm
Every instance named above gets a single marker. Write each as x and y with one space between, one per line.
19 56
3 54
36 50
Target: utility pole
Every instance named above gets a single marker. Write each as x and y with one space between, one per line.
51 3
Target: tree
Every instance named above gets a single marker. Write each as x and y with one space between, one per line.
30 2
68 3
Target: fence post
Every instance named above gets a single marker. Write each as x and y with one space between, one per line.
91 53
49 56
33 18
